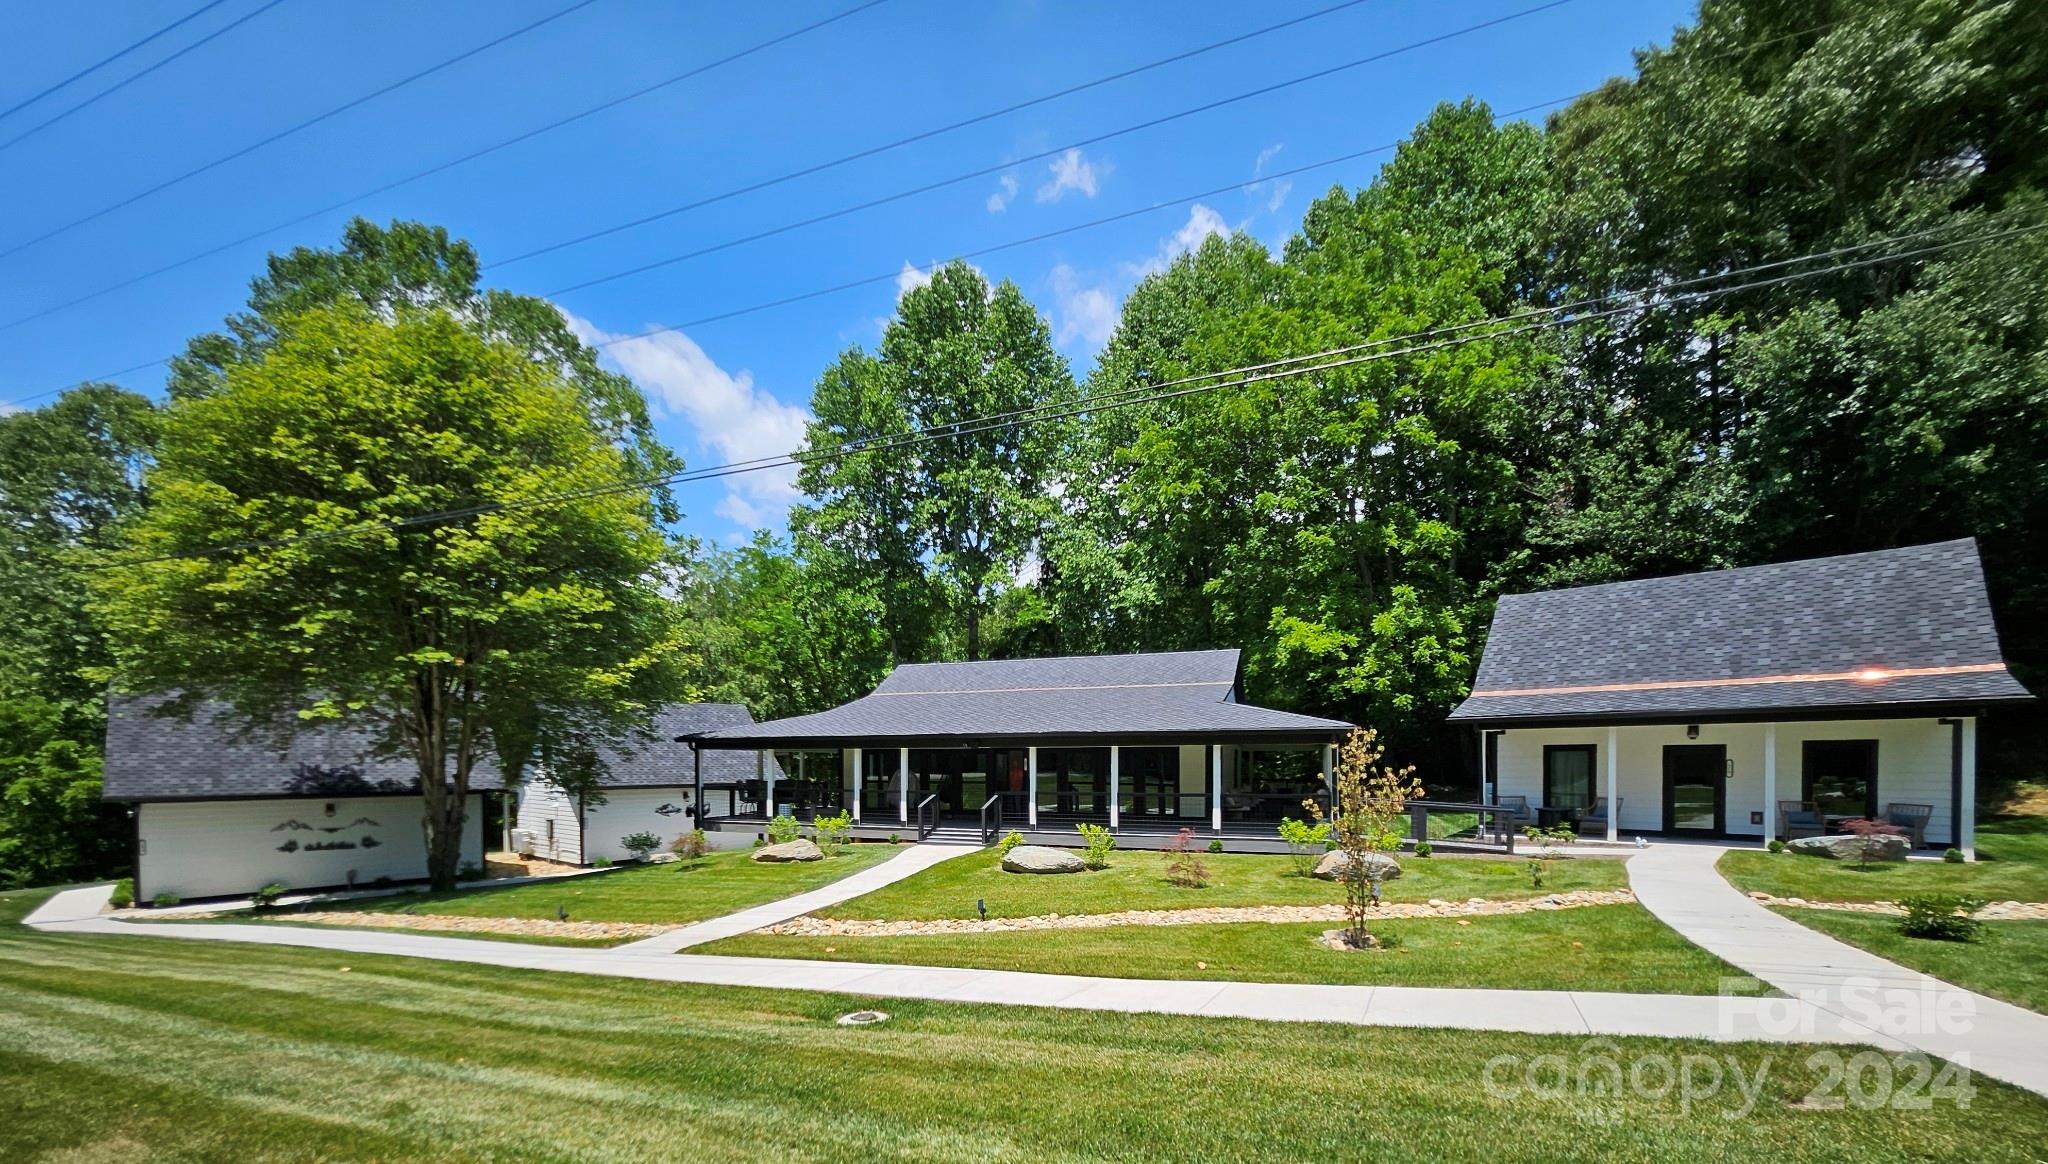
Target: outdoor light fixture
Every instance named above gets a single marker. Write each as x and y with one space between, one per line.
981 907
1692 731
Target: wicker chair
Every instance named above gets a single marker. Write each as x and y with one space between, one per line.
1911 819
1514 813
1800 818
1594 819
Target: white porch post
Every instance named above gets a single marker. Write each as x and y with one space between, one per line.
903 785
1613 784
1330 775
1031 787
1770 782
1116 785
762 773
1216 787
852 777
1966 829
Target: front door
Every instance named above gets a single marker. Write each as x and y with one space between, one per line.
1695 788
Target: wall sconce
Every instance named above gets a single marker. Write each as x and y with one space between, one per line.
1692 731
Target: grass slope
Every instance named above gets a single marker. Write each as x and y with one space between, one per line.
2012 865
1137 880
2009 959
1616 948
154 1048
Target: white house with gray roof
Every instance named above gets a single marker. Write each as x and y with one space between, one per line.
1764 701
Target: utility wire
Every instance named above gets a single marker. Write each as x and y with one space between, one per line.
1329 360
117 86
288 131
103 62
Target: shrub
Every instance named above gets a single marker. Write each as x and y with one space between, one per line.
1423 849
640 844
1776 845
1305 843
1216 845
1943 917
1010 840
1542 859
1184 866
1099 841
1953 856
266 897
690 846
1869 832
784 829
123 895
833 830
601 863
895 838
165 900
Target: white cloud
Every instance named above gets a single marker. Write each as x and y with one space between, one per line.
911 277
1085 312
1000 200
1281 188
1276 190
1202 222
1072 171
1266 155
734 418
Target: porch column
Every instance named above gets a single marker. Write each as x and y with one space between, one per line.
696 784
851 771
903 785
1330 775
1966 829
1770 782
767 777
1613 784
1031 787
1116 785
1216 787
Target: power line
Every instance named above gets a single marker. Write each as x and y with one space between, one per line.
871 151
288 131
1331 359
614 102
103 62
117 86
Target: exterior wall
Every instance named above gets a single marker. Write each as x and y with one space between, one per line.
219 848
1912 766
542 806
634 810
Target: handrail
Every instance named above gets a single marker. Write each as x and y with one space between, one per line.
989 832
1501 818
924 830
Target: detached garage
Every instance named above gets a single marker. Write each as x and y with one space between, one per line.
218 816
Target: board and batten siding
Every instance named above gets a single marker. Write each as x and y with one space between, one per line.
634 810
1913 757
550 815
220 848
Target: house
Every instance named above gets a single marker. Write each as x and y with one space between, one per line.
219 813
1144 744
649 786
1700 704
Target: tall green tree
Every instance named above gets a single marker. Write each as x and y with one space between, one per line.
282 568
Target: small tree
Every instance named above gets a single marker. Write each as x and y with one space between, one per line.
783 829
1870 833
640 844
1306 843
1099 841
1370 798
832 830
690 846
1184 864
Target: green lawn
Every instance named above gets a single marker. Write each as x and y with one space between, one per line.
1616 948
1137 880
134 1048
2012 865
721 883
2009 959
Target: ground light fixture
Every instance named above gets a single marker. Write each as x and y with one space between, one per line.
863 1018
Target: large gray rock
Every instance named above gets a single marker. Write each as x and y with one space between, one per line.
797 850
1852 848
1041 859
1378 866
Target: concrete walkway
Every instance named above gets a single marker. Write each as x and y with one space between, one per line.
1679 884
912 860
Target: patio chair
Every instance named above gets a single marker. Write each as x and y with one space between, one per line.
1594 819
1513 815
1911 819
1800 818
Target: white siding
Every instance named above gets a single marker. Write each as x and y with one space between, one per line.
218 848
1912 766
633 810
550 816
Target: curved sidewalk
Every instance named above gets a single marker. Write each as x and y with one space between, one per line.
1681 886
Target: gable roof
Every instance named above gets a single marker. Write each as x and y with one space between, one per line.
1887 632
1167 694
154 757
654 761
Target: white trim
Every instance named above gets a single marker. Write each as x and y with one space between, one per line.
1770 783
1613 784
1966 833
1116 786
903 785
1031 784
1216 787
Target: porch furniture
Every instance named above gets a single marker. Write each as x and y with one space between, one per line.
1595 817
1911 819
1550 816
1514 812
1799 818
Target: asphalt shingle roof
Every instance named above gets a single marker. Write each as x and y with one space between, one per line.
1172 693
656 760
1869 631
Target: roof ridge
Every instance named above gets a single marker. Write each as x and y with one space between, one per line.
1752 568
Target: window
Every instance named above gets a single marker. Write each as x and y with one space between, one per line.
1840 777
1568 776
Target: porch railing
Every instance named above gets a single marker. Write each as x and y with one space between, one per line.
1463 823
992 819
927 816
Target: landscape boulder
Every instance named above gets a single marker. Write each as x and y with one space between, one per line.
1849 847
1378 866
797 850
1041 859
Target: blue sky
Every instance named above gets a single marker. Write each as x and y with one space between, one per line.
733 388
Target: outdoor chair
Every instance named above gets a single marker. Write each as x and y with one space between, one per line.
1513 815
1594 819
1800 818
1910 819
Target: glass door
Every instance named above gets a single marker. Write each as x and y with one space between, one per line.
1695 786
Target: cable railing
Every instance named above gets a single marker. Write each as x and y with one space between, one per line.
927 816
992 819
